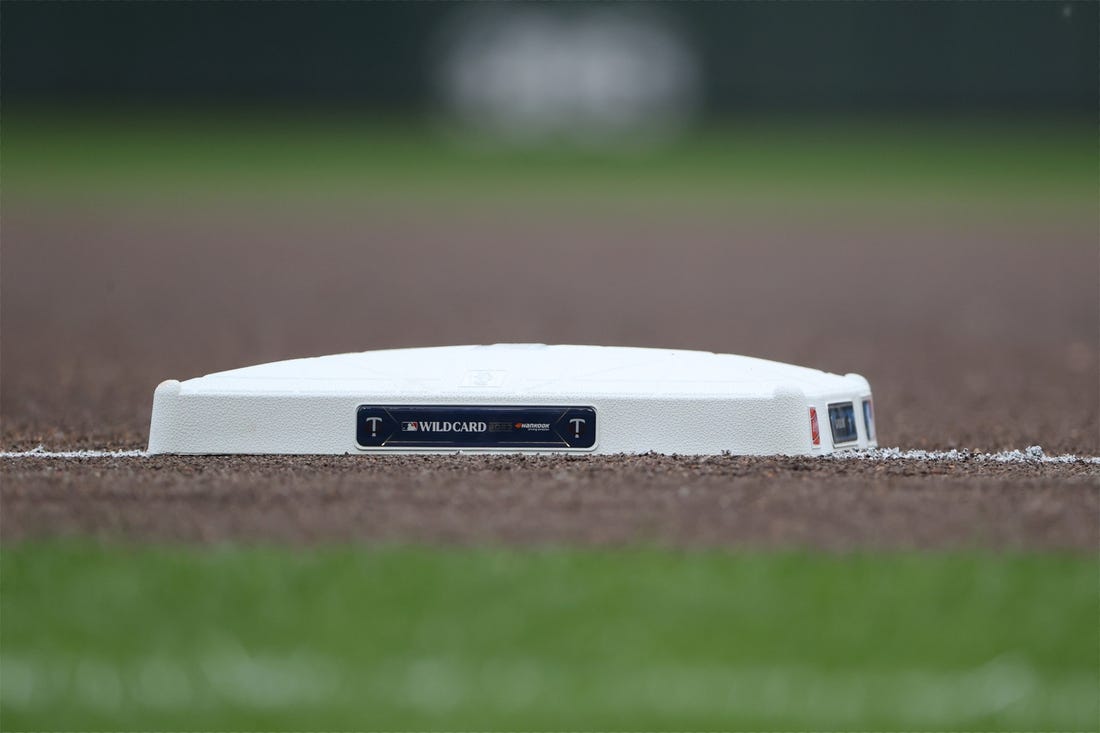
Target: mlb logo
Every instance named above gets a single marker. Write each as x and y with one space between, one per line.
409 427
815 431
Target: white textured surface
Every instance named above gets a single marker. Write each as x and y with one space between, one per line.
660 400
41 452
1033 455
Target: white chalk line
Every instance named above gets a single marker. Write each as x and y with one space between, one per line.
1033 455
41 452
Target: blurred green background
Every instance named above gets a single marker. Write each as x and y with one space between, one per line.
208 157
698 103
170 638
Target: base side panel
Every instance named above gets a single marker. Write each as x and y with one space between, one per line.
212 423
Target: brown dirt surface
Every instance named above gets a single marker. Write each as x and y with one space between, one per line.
975 332
682 501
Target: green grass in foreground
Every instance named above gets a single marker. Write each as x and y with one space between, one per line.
318 639
61 152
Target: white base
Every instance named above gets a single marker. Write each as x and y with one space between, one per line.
645 400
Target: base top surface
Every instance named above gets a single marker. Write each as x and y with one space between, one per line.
521 369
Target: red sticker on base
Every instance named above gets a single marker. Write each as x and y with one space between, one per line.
815 431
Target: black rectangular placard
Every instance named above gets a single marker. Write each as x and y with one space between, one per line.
474 426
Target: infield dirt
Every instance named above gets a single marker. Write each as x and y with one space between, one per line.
974 331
